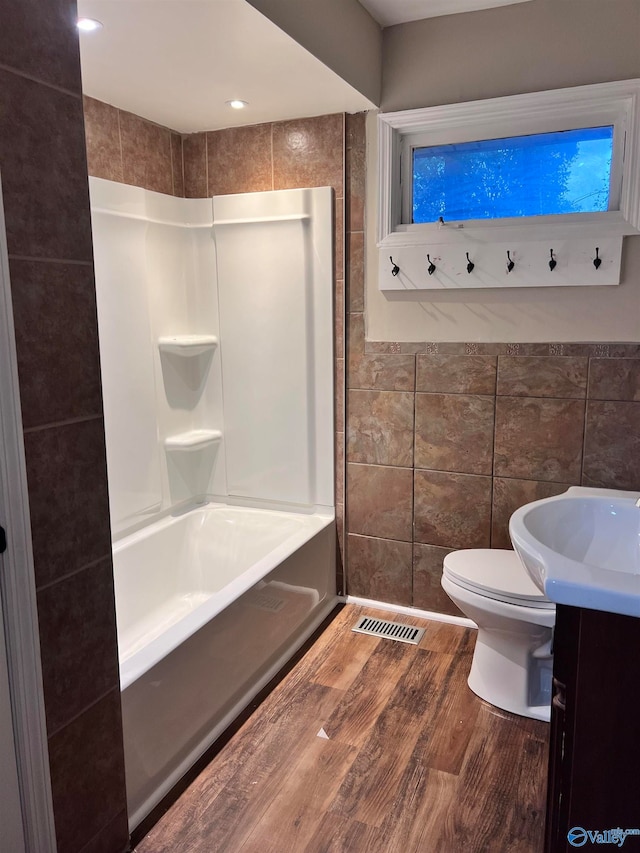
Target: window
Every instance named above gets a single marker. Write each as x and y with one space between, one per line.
538 164
540 174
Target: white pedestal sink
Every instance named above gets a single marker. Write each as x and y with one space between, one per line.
582 548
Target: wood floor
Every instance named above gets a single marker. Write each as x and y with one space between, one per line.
370 745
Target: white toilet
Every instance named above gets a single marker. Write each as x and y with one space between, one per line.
513 660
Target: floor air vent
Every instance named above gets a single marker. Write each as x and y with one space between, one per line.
389 630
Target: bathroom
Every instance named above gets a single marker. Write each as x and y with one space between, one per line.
518 48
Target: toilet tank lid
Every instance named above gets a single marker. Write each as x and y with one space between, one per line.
493 570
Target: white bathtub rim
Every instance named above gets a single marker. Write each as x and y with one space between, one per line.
158 522
203 501
174 777
133 667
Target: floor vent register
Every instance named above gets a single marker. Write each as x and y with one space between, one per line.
389 630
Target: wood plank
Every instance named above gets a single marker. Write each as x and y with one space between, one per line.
527 803
446 734
368 793
299 806
252 765
323 648
339 670
423 800
450 639
498 808
337 834
363 703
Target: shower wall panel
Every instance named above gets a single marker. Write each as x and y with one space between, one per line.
155 279
274 265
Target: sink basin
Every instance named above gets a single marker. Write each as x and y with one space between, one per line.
583 548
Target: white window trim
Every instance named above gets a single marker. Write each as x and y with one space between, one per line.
616 103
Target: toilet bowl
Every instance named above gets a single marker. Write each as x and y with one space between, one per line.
513 661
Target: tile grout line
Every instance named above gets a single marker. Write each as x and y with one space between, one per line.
15 71
86 567
206 163
88 845
434 470
584 424
346 302
120 146
71 720
493 452
68 422
173 168
413 479
68 261
273 184
184 185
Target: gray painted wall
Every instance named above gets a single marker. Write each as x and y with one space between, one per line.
528 47
340 33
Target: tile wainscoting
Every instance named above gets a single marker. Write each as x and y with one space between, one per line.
446 440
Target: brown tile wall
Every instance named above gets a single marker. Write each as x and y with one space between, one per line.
44 174
129 149
446 440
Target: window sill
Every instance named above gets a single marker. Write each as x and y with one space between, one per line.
596 226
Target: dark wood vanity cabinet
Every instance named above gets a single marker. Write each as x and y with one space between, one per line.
594 758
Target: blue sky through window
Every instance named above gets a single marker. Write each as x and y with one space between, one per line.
545 173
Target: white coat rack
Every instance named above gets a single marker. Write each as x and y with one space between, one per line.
473 264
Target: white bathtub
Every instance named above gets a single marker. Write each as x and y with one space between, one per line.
209 606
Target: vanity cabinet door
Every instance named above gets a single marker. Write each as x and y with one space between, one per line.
594 758
565 656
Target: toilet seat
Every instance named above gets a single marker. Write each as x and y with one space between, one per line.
496 574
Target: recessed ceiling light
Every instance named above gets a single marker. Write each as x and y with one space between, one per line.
88 25
236 104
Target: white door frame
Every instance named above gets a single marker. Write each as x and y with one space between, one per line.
18 592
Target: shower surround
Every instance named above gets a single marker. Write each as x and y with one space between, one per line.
216 347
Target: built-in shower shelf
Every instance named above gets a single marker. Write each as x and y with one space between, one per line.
189 345
196 439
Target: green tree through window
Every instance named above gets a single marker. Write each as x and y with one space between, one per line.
536 175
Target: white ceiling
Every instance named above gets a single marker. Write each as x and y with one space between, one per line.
389 12
176 62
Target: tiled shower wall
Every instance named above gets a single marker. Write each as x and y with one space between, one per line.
443 444
46 204
126 148
309 152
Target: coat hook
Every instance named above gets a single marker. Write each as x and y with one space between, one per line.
470 264
395 269
597 260
432 267
552 263
510 264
